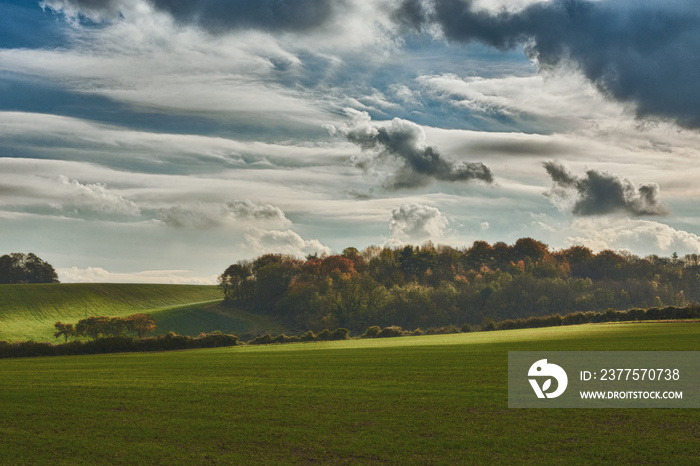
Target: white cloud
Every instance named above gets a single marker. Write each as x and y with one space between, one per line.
417 223
149 62
639 236
96 197
560 100
146 59
248 210
232 213
283 242
100 275
497 6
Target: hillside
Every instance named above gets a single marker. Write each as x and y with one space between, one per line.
29 311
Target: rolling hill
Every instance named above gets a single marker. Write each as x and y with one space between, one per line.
28 312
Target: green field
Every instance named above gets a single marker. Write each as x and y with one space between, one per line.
28 312
412 400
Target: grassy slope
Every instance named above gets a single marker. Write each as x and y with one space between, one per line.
198 318
412 400
29 311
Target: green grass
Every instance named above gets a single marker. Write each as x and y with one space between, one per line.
209 317
412 400
28 312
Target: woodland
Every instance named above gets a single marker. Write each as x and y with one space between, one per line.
433 286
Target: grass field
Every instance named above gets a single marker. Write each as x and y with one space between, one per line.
412 400
28 312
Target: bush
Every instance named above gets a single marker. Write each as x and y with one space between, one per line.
308 336
324 335
340 334
217 339
262 340
284 339
371 332
466 328
488 324
393 331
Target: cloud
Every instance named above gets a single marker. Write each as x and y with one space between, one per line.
639 52
601 193
212 216
220 16
224 15
401 145
148 62
640 236
100 275
417 223
96 197
556 100
248 210
284 242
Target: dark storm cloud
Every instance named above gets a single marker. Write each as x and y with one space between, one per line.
410 14
402 141
220 16
638 51
600 193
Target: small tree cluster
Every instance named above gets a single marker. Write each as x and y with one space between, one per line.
97 327
18 268
120 344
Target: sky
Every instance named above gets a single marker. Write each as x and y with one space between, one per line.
160 141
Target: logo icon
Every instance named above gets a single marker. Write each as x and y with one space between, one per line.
543 369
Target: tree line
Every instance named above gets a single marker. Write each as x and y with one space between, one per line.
18 268
111 335
434 286
172 341
118 344
104 327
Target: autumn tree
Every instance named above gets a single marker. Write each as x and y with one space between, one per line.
93 327
481 253
141 324
528 248
64 330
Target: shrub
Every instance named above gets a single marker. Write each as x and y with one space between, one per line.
449 329
635 314
393 331
371 332
324 335
217 339
467 328
488 324
340 334
262 340
308 336
283 339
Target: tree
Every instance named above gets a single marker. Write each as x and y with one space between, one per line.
141 324
18 268
64 330
237 281
94 327
480 254
530 248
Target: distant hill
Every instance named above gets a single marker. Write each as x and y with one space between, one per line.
28 312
